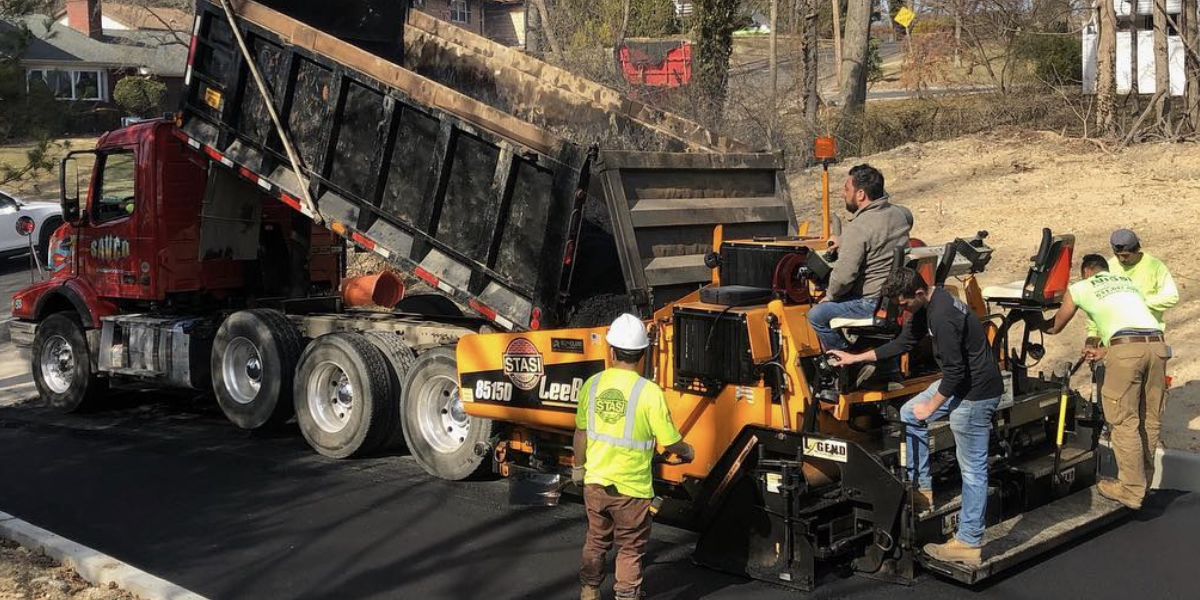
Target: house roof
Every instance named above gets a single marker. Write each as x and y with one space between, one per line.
162 53
142 17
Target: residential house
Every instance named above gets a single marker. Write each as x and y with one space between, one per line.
1136 63
81 59
501 21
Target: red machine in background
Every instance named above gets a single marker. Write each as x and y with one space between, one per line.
655 63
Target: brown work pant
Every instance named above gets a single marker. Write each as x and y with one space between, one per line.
1135 388
621 519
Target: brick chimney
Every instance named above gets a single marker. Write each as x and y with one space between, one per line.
84 16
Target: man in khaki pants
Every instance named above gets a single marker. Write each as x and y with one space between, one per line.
1135 358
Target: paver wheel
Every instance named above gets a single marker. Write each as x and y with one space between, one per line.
446 441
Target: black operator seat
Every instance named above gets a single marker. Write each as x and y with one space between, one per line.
1046 282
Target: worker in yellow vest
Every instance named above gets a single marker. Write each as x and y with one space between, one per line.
1148 273
621 418
1135 357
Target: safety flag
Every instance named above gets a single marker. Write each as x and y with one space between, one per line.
905 17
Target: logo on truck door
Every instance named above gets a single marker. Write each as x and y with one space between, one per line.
109 248
523 364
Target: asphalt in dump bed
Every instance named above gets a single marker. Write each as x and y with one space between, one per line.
174 490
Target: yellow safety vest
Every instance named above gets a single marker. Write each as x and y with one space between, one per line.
625 417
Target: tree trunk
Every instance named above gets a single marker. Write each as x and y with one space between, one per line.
811 66
854 56
1162 68
1191 66
716 20
837 42
1106 70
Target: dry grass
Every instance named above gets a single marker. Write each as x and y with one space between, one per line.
42 185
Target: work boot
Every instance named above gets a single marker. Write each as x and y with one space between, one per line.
956 551
922 501
589 592
1112 489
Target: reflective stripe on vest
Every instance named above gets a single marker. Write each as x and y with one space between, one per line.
626 441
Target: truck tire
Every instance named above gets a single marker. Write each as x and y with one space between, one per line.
253 360
446 442
345 403
62 365
400 358
600 310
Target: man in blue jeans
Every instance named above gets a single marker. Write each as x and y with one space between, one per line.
969 391
875 228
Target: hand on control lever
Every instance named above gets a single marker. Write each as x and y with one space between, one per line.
577 475
839 358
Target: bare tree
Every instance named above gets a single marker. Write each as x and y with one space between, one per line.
854 56
1162 68
1190 29
1106 71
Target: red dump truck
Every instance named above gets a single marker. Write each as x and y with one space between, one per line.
209 252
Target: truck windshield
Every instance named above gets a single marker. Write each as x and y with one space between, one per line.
116 191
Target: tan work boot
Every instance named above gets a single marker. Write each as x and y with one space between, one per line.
1112 489
956 551
922 501
589 592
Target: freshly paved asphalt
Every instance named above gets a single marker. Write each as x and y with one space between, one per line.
168 486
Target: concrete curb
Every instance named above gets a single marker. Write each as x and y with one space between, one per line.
98 569
1174 469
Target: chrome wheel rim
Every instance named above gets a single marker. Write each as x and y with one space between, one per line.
242 369
443 420
58 364
330 397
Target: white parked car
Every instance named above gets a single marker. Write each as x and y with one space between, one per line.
46 215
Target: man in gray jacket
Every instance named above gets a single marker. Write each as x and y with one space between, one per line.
876 227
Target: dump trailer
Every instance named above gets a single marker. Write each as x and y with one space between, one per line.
798 473
211 251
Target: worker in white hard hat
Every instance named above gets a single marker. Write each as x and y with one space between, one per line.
621 419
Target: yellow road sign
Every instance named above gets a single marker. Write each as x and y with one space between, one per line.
905 17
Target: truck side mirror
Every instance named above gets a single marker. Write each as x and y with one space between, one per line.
68 185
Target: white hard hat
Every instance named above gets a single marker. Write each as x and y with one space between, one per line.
627 332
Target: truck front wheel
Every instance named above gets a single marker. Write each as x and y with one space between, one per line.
253 360
446 441
344 399
62 365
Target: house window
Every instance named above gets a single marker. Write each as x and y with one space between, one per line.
459 11
70 85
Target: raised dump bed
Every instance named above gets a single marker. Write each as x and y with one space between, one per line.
503 215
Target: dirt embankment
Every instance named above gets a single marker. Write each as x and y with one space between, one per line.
28 576
1013 183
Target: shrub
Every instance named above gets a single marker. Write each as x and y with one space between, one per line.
1056 59
140 96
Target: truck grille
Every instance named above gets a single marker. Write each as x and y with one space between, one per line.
712 349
